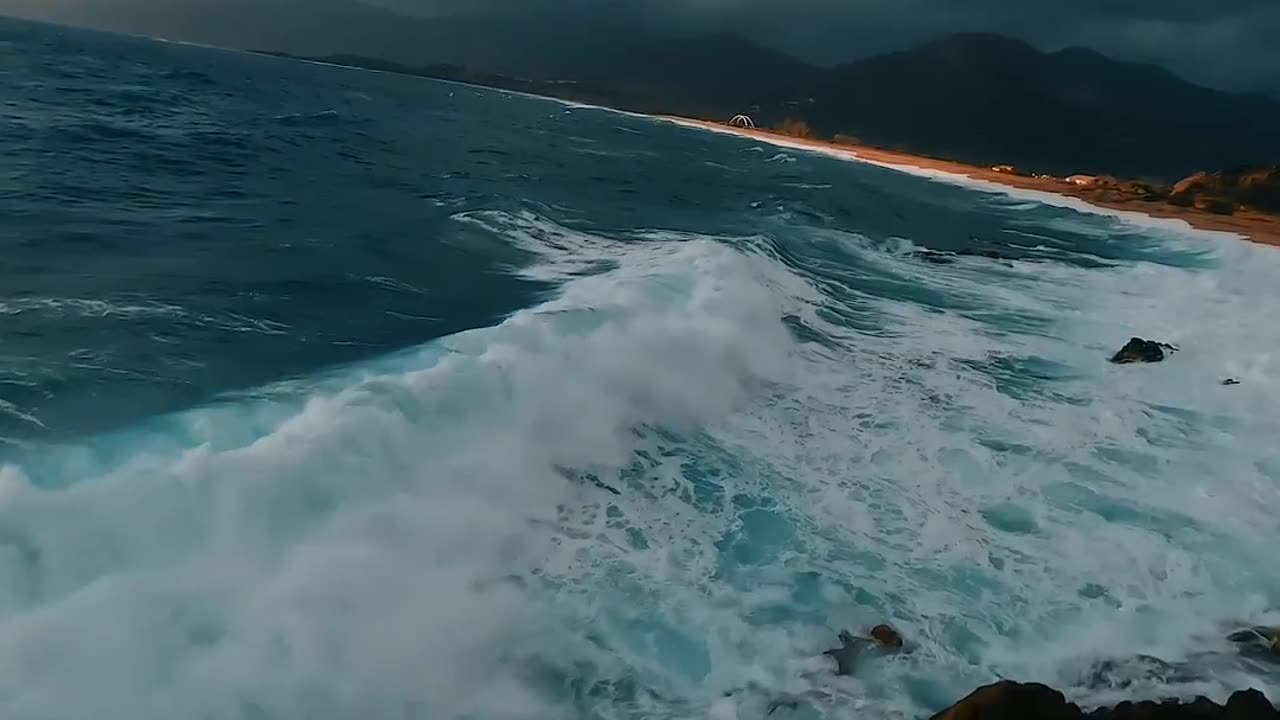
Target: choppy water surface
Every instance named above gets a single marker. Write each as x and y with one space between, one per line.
333 394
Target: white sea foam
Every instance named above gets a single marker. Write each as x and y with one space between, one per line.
347 556
88 307
1109 512
645 488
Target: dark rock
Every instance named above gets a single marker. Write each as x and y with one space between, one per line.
1139 350
1244 705
573 476
783 703
935 257
1215 205
1248 704
846 655
1033 701
946 258
983 252
882 637
1252 187
1012 701
1116 190
1196 182
1260 642
1258 633
1122 674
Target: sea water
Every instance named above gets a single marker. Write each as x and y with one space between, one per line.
336 394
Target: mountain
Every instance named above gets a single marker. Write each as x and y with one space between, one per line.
980 99
722 72
976 98
990 99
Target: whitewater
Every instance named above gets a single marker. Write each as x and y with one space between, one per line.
330 394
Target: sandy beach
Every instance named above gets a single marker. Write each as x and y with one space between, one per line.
1252 225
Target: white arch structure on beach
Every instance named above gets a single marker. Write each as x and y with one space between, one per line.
742 121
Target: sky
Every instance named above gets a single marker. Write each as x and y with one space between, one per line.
1223 43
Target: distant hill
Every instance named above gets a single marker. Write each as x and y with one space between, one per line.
981 99
988 99
723 72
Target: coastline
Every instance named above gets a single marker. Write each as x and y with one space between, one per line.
1251 225
1245 224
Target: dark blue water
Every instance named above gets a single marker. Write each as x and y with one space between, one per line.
329 393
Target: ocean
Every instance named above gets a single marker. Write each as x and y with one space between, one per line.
327 393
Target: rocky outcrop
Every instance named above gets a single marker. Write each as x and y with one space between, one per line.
1033 701
1215 205
1012 701
1138 350
1110 189
1220 193
1257 188
1024 701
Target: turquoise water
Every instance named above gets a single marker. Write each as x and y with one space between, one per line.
334 394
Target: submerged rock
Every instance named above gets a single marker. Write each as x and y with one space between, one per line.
1123 674
1140 350
934 256
1260 642
938 257
881 637
846 655
1027 701
1256 643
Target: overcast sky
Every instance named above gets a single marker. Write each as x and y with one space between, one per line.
1225 43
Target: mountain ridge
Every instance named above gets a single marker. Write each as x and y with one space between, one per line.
976 98
981 99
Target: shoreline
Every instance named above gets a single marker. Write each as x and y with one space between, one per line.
1250 225
1245 224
